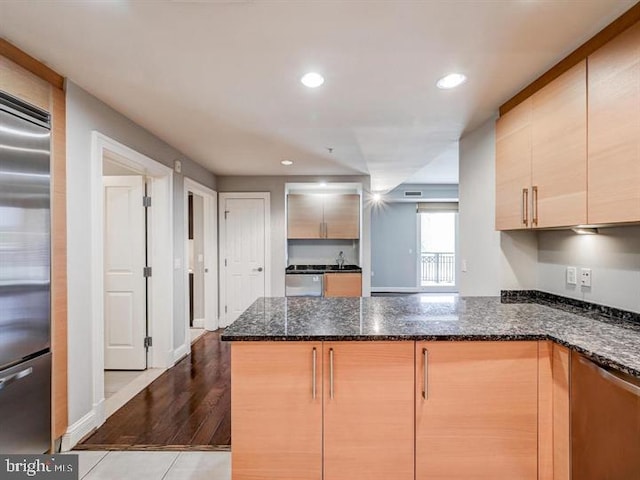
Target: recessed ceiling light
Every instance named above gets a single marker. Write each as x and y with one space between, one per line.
451 81
286 162
312 79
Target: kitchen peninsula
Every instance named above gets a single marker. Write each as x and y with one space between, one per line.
411 387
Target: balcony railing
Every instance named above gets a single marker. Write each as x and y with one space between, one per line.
437 268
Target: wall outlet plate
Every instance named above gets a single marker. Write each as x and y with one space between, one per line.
585 277
572 275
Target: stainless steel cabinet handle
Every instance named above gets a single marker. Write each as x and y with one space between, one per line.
331 373
425 371
534 205
525 206
612 377
313 380
321 230
16 376
326 230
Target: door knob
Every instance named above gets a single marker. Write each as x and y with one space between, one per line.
259 269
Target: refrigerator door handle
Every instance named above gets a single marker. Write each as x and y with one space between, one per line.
16 376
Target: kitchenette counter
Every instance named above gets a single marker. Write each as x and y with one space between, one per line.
612 343
318 269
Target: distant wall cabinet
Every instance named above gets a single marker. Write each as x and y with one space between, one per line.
279 391
477 410
614 130
342 284
541 157
335 216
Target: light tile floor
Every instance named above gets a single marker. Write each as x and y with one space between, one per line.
196 333
154 465
120 386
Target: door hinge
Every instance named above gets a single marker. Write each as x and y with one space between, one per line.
146 271
226 212
148 342
225 309
146 201
225 262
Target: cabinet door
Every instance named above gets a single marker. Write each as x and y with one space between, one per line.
614 130
559 151
476 410
369 411
276 423
342 216
304 216
342 284
513 168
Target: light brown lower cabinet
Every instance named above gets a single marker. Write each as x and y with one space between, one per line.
476 410
276 423
277 420
368 411
342 284
399 410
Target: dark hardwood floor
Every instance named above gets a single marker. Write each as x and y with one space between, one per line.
188 407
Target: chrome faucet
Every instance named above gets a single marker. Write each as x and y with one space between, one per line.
340 260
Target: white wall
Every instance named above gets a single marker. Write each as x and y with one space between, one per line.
613 256
85 114
276 186
494 260
322 252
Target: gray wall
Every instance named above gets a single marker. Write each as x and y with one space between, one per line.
494 260
613 256
85 114
275 185
394 236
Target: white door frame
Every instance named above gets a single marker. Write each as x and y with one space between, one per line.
160 247
266 196
210 204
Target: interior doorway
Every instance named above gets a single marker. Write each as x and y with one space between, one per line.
245 256
201 285
132 321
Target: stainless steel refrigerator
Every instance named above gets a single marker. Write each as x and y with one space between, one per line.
25 278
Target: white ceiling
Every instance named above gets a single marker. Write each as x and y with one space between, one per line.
219 79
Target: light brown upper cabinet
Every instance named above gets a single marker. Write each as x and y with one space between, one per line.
335 216
513 168
541 157
614 130
477 410
559 151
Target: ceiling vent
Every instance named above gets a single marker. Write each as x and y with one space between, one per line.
412 193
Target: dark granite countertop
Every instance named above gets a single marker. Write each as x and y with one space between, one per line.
445 317
317 269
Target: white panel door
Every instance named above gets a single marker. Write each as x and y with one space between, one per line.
245 254
124 282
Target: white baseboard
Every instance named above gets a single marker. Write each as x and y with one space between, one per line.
198 323
83 427
182 351
395 290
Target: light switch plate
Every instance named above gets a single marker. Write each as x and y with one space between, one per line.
177 166
585 277
572 274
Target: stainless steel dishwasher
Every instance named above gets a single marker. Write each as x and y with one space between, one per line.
303 285
605 422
